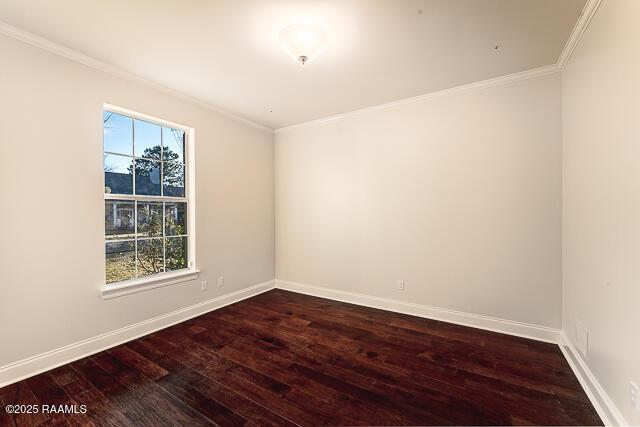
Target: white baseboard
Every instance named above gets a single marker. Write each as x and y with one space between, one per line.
43 362
597 395
599 398
601 401
525 330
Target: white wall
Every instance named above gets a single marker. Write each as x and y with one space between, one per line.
458 195
601 136
51 243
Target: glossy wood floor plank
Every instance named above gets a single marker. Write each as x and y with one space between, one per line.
282 358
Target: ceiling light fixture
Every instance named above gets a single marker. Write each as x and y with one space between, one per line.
303 42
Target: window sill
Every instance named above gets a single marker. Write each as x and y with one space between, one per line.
144 284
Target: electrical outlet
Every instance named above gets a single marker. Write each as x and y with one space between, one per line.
400 285
220 281
633 394
203 285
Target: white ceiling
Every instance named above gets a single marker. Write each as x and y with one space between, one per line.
226 52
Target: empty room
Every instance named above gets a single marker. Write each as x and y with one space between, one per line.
319 212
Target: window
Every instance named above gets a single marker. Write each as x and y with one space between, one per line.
147 197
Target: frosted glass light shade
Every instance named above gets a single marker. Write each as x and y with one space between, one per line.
303 42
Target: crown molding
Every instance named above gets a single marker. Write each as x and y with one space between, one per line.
74 55
588 11
497 81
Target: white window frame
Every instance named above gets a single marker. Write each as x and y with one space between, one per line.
112 290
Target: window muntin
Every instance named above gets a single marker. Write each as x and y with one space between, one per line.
119 138
119 219
118 177
146 203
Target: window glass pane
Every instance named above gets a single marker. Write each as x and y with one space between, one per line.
119 219
118 133
147 177
120 261
173 179
147 139
175 217
173 144
118 178
149 219
176 253
143 237
150 257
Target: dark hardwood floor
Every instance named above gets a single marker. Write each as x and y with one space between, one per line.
282 358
